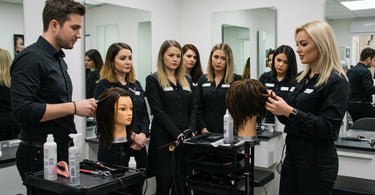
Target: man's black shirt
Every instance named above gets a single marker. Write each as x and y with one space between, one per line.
39 77
361 83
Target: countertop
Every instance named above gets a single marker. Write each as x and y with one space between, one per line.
354 145
8 150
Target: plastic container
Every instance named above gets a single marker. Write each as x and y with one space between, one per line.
50 158
228 128
74 159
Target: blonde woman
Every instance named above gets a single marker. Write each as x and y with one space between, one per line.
212 88
312 113
8 128
169 93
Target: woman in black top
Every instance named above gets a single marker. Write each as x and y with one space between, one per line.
192 62
169 93
212 88
9 128
283 73
118 71
312 113
94 63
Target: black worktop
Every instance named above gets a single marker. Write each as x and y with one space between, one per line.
354 145
268 134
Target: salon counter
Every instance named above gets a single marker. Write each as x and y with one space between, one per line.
8 151
356 158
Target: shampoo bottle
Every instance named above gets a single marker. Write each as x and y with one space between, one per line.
228 128
50 158
74 159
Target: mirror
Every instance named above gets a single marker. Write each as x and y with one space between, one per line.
11 20
354 30
109 23
249 33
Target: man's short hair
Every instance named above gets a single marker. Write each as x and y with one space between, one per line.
367 52
60 10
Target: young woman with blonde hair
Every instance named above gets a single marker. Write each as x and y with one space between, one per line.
212 88
9 128
169 93
312 113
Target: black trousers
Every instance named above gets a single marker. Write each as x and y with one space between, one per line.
361 110
310 168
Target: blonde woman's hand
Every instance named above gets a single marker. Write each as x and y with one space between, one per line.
278 106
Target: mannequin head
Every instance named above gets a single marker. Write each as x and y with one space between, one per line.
114 113
246 101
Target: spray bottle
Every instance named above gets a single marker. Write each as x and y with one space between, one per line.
50 158
228 128
74 158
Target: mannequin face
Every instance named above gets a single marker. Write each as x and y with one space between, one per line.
124 112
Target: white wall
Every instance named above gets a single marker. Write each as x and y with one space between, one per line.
11 20
196 17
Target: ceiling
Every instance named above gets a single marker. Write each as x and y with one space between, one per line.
335 10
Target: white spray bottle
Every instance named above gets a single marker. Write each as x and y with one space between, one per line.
228 128
74 159
50 158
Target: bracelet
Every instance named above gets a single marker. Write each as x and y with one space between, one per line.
75 108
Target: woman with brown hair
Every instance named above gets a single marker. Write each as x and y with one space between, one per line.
192 62
212 88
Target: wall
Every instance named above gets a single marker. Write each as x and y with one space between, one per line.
196 17
11 20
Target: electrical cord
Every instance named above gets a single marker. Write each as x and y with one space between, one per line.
265 190
144 193
279 165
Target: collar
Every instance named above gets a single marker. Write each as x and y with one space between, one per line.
50 49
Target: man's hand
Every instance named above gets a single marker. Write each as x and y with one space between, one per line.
86 107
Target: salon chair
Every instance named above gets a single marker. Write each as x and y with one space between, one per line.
367 124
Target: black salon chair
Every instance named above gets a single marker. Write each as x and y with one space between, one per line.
367 124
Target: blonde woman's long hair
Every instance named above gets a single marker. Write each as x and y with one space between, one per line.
180 71
5 62
324 38
229 69
108 71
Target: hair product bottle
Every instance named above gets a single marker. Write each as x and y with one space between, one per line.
228 128
50 158
74 158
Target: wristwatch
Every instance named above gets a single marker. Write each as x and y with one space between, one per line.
293 114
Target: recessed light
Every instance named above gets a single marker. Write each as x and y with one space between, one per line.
359 5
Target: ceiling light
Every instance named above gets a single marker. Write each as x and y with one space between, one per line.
359 5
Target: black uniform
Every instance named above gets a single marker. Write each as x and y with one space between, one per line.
142 121
362 87
91 79
281 88
9 128
311 162
39 77
210 101
173 112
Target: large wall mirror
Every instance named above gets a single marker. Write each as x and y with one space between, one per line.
249 33
109 23
354 31
11 39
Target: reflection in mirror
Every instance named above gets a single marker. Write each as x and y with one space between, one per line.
240 29
354 31
108 23
11 20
